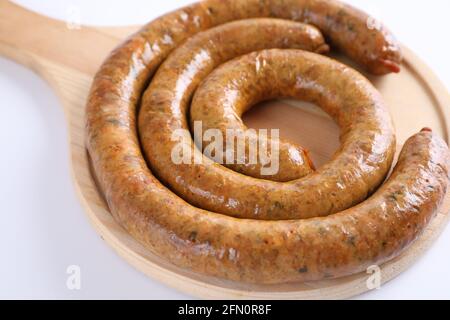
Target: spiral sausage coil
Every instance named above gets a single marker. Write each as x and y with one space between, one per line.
215 220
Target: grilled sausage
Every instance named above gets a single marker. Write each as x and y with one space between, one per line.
348 29
356 170
218 106
247 250
265 33
255 251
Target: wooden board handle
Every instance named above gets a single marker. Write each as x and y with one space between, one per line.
25 34
28 38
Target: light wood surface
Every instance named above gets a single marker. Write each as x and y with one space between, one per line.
67 59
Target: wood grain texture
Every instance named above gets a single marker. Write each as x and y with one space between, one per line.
67 59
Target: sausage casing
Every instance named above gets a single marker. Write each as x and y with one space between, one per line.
355 171
249 250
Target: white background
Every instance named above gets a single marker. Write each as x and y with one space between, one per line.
44 229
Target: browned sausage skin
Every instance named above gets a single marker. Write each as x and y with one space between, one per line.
117 86
215 46
355 171
218 105
255 251
302 250
347 28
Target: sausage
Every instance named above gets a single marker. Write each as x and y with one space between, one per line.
347 28
356 170
255 251
294 161
218 105
224 246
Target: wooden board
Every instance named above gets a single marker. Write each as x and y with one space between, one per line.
67 59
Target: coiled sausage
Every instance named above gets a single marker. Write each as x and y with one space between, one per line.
356 170
250 250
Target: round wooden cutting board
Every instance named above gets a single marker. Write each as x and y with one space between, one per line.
68 57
